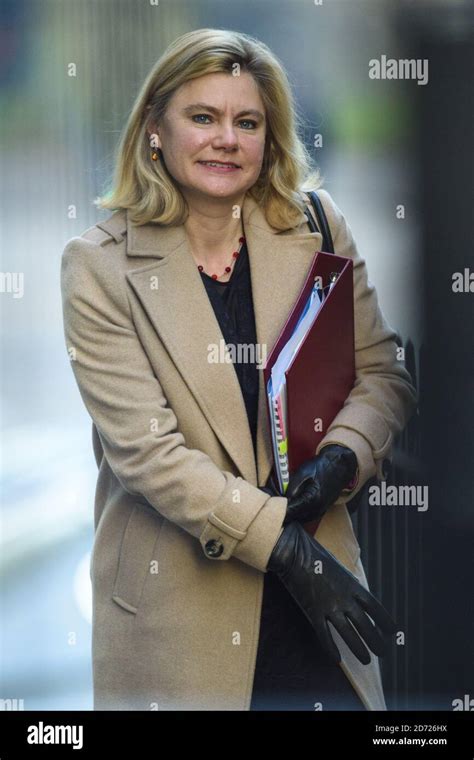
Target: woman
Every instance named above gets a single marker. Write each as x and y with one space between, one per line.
199 570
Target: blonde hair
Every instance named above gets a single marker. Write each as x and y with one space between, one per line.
147 189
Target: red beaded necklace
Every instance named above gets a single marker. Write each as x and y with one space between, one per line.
235 256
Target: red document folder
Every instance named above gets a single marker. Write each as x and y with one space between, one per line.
322 372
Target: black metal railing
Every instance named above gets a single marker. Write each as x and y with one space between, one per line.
391 540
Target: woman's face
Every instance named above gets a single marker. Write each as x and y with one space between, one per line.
215 118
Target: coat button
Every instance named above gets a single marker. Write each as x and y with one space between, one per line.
214 548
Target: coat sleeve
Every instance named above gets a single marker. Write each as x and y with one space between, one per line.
383 398
227 514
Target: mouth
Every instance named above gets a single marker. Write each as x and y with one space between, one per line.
220 165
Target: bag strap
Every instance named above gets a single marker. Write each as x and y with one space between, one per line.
328 246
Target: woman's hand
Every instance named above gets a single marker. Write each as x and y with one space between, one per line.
326 591
315 485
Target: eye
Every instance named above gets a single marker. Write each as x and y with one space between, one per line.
249 121
199 116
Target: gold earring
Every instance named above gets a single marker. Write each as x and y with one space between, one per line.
154 155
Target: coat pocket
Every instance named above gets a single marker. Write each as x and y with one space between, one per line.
138 549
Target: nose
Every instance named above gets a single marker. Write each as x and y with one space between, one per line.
225 136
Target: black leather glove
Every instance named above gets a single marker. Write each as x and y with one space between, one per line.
315 485
329 593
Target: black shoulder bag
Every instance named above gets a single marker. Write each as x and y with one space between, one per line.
328 246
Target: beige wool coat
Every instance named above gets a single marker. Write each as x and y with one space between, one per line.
183 533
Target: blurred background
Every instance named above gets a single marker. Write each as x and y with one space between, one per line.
386 144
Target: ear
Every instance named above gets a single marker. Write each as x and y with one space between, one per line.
153 133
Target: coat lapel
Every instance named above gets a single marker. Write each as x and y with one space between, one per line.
170 290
